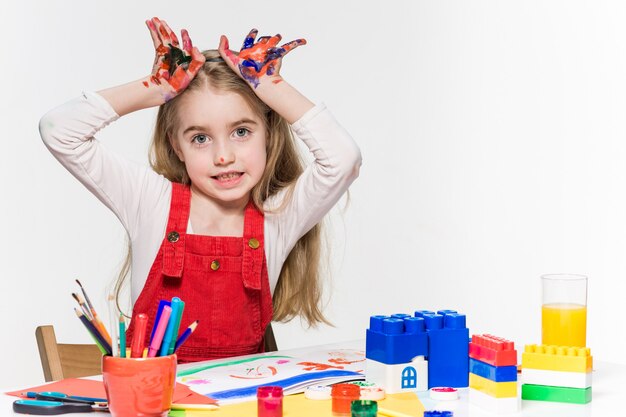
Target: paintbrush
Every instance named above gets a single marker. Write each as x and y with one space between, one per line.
94 316
83 306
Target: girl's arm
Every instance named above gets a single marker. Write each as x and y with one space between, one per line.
135 193
336 163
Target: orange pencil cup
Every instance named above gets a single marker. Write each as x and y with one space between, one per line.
141 387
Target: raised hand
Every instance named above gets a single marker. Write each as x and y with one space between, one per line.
258 62
173 68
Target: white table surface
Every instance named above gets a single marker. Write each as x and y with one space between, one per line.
609 384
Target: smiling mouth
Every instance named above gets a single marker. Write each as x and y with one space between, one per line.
228 176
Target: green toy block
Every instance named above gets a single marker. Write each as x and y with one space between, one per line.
556 394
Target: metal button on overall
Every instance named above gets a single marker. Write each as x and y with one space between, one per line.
253 243
173 237
215 265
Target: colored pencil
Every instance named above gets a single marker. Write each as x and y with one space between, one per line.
179 317
106 348
169 330
160 331
122 337
183 337
94 316
137 344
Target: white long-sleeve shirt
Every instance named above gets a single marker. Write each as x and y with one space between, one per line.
140 198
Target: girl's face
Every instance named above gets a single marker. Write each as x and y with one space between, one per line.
222 143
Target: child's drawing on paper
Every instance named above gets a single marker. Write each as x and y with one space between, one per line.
314 366
194 381
346 356
257 372
237 380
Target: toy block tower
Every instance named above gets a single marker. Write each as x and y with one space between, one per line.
395 350
493 374
557 373
448 347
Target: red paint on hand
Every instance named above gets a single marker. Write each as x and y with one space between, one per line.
261 60
172 70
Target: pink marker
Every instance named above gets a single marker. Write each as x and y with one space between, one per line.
160 331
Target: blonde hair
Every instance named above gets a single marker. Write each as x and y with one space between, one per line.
298 291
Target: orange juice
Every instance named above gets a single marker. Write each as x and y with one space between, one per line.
564 324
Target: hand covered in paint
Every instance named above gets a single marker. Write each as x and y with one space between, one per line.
173 68
259 62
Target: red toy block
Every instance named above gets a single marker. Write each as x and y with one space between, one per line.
493 350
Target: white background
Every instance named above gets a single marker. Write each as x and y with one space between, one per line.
492 132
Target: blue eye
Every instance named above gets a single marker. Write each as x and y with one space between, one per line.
200 139
241 132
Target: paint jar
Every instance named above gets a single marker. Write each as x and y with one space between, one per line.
269 401
343 395
364 408
139 387
564 310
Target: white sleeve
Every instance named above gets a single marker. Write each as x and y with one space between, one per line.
337 159
123 186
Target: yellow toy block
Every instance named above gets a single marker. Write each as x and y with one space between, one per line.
557 358
493 388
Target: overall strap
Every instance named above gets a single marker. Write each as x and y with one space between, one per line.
253 247
173 246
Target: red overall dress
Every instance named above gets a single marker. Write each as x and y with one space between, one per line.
222 280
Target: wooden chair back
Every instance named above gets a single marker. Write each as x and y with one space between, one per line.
60 360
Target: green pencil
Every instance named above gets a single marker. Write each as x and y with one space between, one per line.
122 337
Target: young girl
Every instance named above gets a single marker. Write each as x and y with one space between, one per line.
228 219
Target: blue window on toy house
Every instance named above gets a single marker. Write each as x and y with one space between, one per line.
409 377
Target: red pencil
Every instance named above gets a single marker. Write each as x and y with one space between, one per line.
136 347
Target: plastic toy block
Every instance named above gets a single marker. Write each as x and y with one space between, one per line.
493 350
556 378
448 360
396 340
438 413
494 373
493 404
556 394
403 377
557 358
495 389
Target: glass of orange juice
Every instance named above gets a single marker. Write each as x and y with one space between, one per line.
564 310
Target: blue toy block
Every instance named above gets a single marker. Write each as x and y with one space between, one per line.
494 373
438 414
448 348
396 339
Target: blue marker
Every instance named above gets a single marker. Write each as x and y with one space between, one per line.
162 304
171 324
